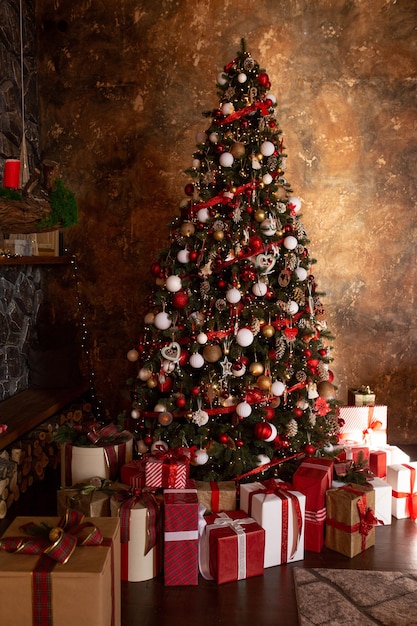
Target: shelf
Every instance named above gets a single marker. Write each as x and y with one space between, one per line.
36 260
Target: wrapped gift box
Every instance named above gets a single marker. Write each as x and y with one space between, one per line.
361 397
378 463
141 533
84 590
168 470
216 496
365 425
383 498
80 463
232 547
313 478
133 473
350 522
280 510
92 500
181 517
395 455
402 478
353 452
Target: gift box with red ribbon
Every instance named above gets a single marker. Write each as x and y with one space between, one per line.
110 448
92 498
140 514
216 496
383 497
62 571
280 510
351 520
169 470
402 478
232 547
181 532
133 473
313 478
366 425
354 452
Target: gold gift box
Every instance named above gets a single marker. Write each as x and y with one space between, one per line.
84 590
223 492
95 503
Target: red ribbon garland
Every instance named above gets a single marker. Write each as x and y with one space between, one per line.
266 466
259 105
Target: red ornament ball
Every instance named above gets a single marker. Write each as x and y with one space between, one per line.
223 438
155 269
181 401
256 244
341 422
184 356
269 412
239 443
263 79
180 300
189 189
148 440
309 449
193 255
262 430
297 412
165 384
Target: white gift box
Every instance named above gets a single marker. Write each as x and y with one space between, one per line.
383 498
365 425
94 460
402 478
395 455
136 566
267 510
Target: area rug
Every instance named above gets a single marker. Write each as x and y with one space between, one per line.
333 597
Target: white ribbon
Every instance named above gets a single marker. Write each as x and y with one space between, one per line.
223 520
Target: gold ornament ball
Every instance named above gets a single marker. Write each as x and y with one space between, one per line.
326 390
218 235
212 353
275 402
187 229
165 418
256 368
264 383
268 331
238 149
152 382
259 215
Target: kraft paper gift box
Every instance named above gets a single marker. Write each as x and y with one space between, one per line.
84 590
383 498
91 499
140 515
365 425
313 478
133 473
168 470
361 397
402 478
80 463
351 520
181 532
232 547
216 496
280 510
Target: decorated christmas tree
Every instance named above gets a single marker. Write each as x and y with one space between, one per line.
233 361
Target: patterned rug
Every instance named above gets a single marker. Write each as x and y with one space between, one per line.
337 597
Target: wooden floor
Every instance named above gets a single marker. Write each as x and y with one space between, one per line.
267 600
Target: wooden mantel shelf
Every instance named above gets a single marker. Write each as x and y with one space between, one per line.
35 260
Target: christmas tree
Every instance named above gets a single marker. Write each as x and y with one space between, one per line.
234 357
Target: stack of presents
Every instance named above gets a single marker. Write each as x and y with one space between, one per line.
139 517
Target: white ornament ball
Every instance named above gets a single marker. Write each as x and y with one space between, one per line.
144 374
263 459
272 97
159 446
268 227
328 448
168 366
267 179
243 409
173 283
196 360
222 78
226 159
202 339
273 433
244 337
242 78
149 318
162 321
213 137
159 407
301 273
132 355
135 414
259 289
203 215
227 108
183 256
233 295
277 388
295 203
237 372
255 164
196 164
201 457
290 242
267 148
292 307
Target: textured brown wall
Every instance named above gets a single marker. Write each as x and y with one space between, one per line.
123 85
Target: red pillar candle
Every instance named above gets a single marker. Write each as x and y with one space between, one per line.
11 176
